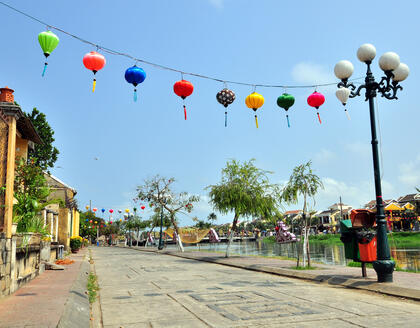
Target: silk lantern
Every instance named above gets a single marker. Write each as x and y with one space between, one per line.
119 211
111 211
254 101
87 207
103 210
183 89
225 97
135 75
142 207
94 61
94 209
315 100
286 101
343 95
127 210
48 42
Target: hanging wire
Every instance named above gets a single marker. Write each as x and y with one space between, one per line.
118 53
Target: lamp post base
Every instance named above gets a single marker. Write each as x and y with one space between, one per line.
384 269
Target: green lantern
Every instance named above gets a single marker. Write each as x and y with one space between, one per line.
48 42
286 101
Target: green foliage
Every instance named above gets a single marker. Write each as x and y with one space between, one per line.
76 242
92 287
303 268
302 182
31 192
46 154
245 190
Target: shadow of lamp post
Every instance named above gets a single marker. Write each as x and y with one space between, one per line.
388 87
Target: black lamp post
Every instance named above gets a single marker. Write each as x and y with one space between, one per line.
397 72
160 247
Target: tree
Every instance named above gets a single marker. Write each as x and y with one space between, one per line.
157 191
303 182
244 190
46 154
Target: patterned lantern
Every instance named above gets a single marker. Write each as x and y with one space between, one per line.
225 97
135 75
183 89
315 100
48 42
254 101
286 101
94 61
343 95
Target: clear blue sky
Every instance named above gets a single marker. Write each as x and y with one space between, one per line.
278 42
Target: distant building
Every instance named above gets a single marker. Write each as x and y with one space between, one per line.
335 213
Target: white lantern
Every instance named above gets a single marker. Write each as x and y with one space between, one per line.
343 69
389 61
366 52
343 95
400 73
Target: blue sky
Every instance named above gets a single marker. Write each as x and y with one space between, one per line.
273 42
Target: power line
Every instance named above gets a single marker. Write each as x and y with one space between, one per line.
118 53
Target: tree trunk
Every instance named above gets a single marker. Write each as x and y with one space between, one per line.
232 231
307 249
178 238
147 236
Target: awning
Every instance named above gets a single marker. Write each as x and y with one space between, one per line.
393 207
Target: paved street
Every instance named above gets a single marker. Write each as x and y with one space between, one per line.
151 290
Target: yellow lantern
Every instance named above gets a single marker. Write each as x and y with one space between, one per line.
127 210
254 101
87 207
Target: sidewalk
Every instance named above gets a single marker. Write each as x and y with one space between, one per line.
41 302
406 284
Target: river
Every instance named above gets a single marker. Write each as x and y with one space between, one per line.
328 254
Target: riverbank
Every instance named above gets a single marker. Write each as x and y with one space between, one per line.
396 239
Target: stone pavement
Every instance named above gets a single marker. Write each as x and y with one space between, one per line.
406 284
148 289
41 302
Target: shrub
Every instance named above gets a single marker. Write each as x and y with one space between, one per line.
76 242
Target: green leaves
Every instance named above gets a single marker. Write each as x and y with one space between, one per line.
245 190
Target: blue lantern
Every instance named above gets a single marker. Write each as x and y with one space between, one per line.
135 75
103 210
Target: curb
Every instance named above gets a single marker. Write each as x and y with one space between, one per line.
385 289
76 311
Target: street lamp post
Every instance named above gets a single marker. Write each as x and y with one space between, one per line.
160 247
397 72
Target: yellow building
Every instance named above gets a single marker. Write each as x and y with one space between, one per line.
61 218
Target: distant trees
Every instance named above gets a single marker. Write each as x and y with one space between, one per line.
302 183
244 190
157 191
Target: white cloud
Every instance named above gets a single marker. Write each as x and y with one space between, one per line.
217 3
309 73
410 172
324 156
359 148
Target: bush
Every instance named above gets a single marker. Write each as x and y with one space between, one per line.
76 242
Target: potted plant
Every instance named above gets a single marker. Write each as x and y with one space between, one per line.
75 243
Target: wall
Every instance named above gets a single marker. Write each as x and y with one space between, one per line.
21 148
64 227
3 164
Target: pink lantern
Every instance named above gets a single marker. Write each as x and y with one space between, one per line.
111 211
315 100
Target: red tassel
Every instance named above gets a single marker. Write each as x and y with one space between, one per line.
185 112
319 118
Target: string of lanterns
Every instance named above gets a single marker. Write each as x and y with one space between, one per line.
95 61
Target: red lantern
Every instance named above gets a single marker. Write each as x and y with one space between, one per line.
110 222
90 221
183 89
143 207
111 211
95 62
102 226
316 100
94 209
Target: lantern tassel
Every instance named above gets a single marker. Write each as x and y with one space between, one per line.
185 112
45 68
288 123
135 94
319 118
347 114
256 121
94 85
225 119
